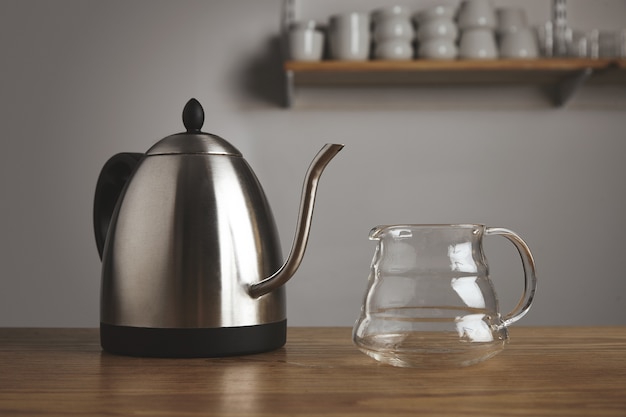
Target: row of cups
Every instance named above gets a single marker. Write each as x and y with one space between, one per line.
596 43
476 30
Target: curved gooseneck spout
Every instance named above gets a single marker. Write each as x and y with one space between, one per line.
307 202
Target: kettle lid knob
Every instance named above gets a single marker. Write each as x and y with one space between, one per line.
193 116
193 141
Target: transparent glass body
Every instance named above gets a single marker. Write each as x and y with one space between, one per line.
430 301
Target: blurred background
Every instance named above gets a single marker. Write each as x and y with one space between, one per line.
81 80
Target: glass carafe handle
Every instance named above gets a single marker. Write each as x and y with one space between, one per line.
530 277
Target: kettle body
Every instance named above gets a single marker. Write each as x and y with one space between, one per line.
191 232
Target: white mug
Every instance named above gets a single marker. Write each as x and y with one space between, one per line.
519 44
475 14
478 44
434 12
392 23
390 12
438 48
608 43
305 42
511 19
394 50
437 28
349 36
393 28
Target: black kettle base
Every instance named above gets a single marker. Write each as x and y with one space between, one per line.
192 342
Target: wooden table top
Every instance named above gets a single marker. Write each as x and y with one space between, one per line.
543 371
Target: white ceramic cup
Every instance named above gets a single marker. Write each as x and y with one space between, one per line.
434 12
510 19
608 43
478 44
545 37
519 44
437 28
438 48
305 42
349 36
303 25
578 44
390 12
475 14
394 50
393 28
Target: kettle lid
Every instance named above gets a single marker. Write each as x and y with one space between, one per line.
193 141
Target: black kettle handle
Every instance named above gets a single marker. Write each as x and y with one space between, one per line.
113 177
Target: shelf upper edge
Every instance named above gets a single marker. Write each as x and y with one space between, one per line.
543 64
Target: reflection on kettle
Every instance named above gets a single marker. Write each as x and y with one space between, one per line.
191 258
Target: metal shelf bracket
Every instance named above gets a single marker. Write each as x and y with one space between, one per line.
568 86
289 89
288 16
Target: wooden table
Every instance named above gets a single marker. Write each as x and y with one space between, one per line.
545 371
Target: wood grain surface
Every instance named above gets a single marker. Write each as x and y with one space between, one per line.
544 71
568 64
543 371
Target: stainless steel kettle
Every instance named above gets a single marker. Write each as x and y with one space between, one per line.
191 258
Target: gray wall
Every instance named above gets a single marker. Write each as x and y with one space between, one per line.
81 80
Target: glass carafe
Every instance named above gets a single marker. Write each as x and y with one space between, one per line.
430 301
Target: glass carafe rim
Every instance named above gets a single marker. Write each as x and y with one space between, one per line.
376 232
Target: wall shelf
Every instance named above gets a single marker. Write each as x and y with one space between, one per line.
564 75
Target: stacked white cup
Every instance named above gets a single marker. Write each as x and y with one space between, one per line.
516 38
477 21
306 41
393 33
437 32
349 36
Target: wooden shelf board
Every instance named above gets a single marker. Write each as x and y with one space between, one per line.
425 72
566 74
551 64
